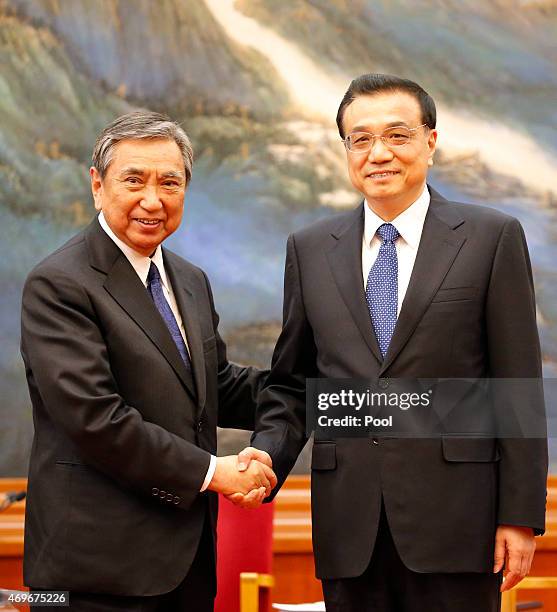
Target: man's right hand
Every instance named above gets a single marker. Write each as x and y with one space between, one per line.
228 480
249 453
254 498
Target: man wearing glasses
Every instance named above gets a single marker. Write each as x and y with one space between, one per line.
408 285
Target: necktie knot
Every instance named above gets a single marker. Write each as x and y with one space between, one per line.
388 232
154 274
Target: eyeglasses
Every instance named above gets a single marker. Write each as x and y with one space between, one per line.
362 142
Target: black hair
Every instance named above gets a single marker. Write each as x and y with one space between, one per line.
369 84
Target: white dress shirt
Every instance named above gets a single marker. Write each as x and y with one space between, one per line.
141 265
409 225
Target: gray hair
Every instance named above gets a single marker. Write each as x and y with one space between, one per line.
136 126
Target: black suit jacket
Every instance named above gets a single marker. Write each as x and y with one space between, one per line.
468 312
123 432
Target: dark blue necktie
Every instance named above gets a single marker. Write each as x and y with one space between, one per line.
154 285
382 287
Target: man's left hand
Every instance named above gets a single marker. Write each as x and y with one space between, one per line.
514 551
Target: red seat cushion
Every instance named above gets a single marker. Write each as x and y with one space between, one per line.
245 544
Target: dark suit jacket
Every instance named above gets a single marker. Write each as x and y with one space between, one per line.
123 432
469 312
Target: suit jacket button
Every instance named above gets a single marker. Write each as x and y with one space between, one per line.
154 491
177 500
375 441
383 383
162 494
169 497
200 426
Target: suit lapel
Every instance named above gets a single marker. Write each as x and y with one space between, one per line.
345 261
123 284
437 250
185 297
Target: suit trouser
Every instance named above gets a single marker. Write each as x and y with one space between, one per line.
196 593
387 585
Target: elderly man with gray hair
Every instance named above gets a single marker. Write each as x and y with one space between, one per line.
128 379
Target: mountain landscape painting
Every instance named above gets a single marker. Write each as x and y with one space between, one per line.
256 84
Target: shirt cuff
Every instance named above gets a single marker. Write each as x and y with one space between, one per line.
210 474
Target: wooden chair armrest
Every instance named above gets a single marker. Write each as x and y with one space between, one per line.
250 583
509 598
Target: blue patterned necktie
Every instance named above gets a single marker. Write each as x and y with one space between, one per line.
382 287
154 285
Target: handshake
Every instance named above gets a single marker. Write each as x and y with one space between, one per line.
246 479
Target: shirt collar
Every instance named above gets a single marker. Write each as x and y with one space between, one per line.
139 262
409 223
